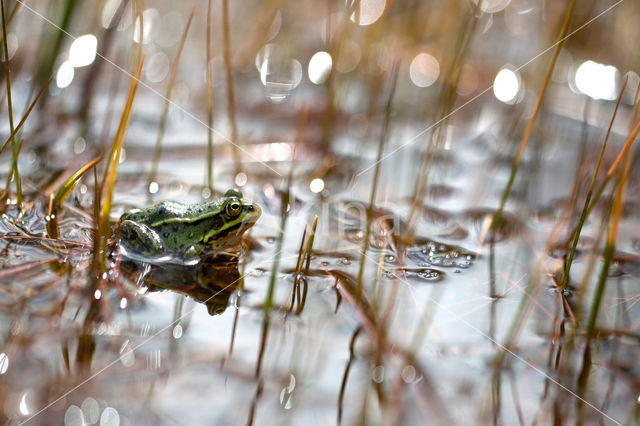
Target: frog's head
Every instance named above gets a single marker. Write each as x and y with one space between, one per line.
238 215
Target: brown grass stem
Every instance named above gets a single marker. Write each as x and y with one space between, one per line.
532 120
598 295
62 193
384 135
111 172
14 172
592 184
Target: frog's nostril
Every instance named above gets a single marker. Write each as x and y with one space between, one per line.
250 208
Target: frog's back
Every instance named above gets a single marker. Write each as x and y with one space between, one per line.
159 212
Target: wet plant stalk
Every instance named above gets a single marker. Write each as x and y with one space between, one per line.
14 172
268 304
610 174
609 250
209 75
100 249
497 218
167 102
384 135
63 192
592 184
528 130
231 99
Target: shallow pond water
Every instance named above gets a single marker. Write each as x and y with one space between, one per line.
408 310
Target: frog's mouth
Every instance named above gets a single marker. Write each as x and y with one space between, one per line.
237 229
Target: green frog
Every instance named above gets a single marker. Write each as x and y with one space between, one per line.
174 231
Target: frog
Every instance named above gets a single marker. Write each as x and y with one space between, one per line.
175 231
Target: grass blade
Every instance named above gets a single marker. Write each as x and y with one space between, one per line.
63 192
100 248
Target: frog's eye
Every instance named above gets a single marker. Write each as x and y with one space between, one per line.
234 208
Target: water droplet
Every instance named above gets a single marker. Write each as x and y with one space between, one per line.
345 261
177 331
390 258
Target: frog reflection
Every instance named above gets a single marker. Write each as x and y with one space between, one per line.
209 283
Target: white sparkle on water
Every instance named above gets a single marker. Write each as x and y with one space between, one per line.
83 50
64 76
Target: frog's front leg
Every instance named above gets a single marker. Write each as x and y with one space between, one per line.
139 238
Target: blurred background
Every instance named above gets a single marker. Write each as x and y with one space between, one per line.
451 229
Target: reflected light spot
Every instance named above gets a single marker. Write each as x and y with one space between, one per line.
241 179
492 6
276 24
83 50
64 76
91 410
123 303
110 417
97 295
408 374
149 18
153 187
316 186
73 416
79 145
368 12
596 80
157 67
4 363
319 67
424 70
278 72
506 86
109 11
177 331
23 407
